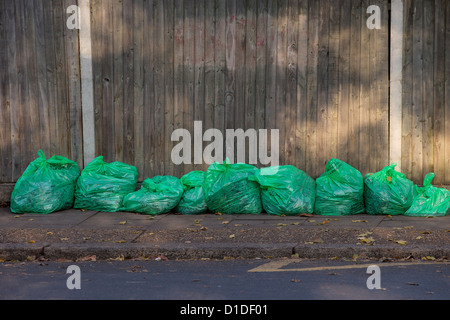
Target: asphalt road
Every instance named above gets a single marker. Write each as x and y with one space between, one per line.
223 280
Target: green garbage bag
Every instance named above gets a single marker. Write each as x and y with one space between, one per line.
339 190
429 201
193 200
388 192
157 195
102 186
228 189
286 190
45 186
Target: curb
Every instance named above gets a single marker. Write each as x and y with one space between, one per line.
173 251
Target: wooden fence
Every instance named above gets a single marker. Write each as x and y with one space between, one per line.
310 68
426 90
40 98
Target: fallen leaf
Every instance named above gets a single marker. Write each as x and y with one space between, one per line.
203 228
87 258
282 224
232 236
296 280
305 215
323 222
63 239
365 234
412 284
400 242
365 240
360 221
431 258
31 241
121 241
425 232
122 222
225 222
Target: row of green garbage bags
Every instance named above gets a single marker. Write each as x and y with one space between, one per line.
56 184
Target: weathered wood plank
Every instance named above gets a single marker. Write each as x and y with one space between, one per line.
407 89
354 84
106 61
428 86
74 93
281 76
189 72
290 120
199 81
365 152
118 83
312 105
149 93
139 37
5 102
417 115
447 95
439 92
302 85
128 82
344 82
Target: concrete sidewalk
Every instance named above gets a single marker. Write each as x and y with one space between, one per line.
77 235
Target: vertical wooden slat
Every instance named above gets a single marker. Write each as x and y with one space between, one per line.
291 81
365 152
271 77
42 93
240 63
417 115
447 95
382 85
261 62
354 83
159 86
199 81
210 35
107 82
5 102
250 67
189 72
332 124
439 92
281 72
407 89
230 57
128 82
312 105
178 72
118 83
428 87
302 85
344 81
169 85
149 96
139 37
73 104
220 67
97 70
